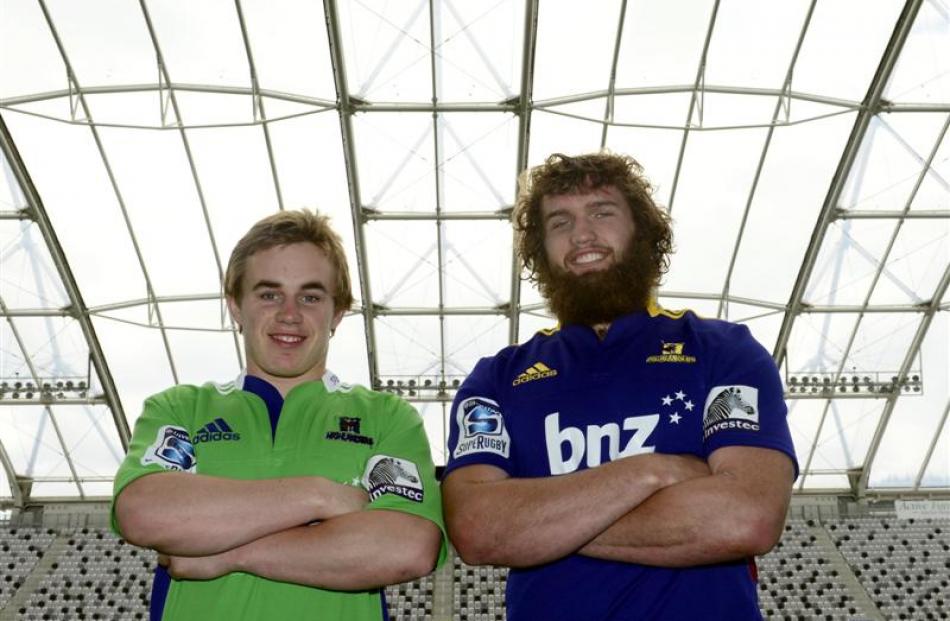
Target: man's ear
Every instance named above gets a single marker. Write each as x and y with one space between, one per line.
235 311
337 318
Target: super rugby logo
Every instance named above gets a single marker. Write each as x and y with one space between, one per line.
731 407
172 450
391 475
481 428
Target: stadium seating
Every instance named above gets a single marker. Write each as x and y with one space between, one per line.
797 580
834 570
20 550
903 565
411 601
478 593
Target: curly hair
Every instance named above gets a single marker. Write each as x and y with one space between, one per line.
291 227
564 174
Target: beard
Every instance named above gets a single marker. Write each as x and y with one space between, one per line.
600 297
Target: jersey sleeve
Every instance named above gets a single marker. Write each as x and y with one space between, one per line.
477 430
744 405
400 475
160 443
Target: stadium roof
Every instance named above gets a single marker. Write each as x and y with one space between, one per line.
801 147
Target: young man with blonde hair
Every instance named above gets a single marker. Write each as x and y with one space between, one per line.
630 463
284 494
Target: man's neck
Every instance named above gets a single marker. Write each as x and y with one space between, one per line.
600 329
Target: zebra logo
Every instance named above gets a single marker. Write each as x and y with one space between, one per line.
391 475
731 407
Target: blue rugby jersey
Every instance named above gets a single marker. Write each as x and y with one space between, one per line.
659 382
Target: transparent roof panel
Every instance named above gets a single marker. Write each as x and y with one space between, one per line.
397 154
24 33
408 346
478 49
476 161
387 50
846 431
891 161
757 57
91 33
404 261
915 264
282 40
917 413
661 44
477 262
202 356
843 47
29 278
200 44
923 71
580 68
938 470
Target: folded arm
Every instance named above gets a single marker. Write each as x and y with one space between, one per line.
494 519
736 512
356 551
198 515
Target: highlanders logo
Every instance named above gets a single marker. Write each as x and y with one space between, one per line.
172 450
481 428
391 475
349 431
731 407
671 352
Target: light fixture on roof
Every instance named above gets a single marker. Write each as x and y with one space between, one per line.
864 383
44 390
420 387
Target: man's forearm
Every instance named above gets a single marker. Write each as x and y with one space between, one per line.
710 519
524 522
198 515
357 551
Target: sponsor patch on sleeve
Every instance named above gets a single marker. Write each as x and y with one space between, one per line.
481 428
731 407
391 475
172 450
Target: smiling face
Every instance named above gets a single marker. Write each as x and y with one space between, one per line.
286 313
586 231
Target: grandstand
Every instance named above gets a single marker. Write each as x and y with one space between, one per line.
843 567
802 149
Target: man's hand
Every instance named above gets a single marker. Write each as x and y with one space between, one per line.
346 499
197 567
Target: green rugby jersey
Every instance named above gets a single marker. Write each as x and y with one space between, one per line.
348 434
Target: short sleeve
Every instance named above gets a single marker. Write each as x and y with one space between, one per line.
477 430
400 475
744 405
160 443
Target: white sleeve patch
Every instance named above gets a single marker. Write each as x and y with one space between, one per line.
731 407
392 475
172 450
481 428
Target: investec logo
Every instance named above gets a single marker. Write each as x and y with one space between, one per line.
217 430
589 441
536 371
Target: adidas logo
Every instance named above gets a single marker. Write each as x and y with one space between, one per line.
217 430
536 371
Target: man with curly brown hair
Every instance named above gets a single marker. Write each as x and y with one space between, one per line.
633 461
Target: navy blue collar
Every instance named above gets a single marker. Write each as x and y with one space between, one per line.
269 395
